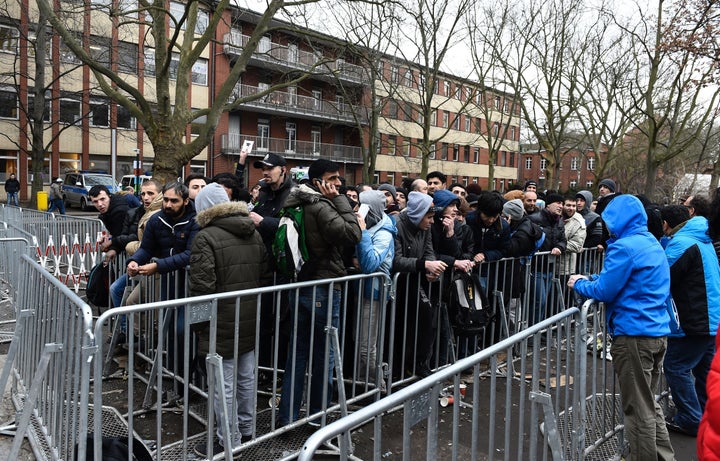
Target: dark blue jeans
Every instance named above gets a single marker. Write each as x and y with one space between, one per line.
687 363
309 326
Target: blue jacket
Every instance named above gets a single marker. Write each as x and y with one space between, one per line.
694 279
375 253
635 280
167 242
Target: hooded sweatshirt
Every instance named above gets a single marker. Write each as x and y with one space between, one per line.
376 249
635 279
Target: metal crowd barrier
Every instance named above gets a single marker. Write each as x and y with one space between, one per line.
164 379
49 359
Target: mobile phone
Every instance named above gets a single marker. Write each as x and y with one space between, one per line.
363 210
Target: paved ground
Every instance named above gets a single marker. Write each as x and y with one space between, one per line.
7 414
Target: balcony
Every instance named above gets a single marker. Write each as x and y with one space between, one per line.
301 150
291 104
283 57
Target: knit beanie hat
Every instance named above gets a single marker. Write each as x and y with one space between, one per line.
390 188
418 206
609 183
375 200
210 195
514 208
554 198
444 198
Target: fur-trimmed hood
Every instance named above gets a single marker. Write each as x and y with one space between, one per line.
222 210
302 195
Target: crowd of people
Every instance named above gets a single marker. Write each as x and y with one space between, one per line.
660 279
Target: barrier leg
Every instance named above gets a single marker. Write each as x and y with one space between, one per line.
551 429
30 401
345 443
156 363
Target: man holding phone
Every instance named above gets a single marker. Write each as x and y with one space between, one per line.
330 226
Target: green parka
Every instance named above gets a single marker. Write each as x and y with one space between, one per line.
228 255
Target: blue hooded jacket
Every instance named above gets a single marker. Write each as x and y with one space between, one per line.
635 280
694 279
376 249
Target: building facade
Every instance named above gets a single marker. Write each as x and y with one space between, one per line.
322 115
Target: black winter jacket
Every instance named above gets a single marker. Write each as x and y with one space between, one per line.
114 218
554 230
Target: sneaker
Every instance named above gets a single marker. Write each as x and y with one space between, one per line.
422 370
673 427
315 422
201 449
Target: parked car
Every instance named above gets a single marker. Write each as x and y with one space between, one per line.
129 180
77 185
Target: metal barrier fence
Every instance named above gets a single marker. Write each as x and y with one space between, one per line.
49 361
533 395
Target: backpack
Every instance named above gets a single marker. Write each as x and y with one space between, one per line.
98 285
468 308
288 246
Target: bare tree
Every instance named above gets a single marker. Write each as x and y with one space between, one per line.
177 41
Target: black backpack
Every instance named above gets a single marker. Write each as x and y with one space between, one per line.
468 306
98 285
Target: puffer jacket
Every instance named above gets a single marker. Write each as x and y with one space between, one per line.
132 247
330 227
375 253
166 242
708 436
228 255
635 279
694 278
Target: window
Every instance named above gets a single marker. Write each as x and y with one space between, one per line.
433 118
589 185
466 154
315 139
100 50
317 97
467 124
32 45
66 54
433 149
392 109
479 98
476 155
174 64
458 93
506 106
264 45
573 184
292 53
70 110
456 153
392 145
543 164
528 163
124 119
31 103
456 122
263 140
406 148
468 96
177 10
407 112
408 78
512 133
99 113
291 130
394 74
591 163
200 71
512 159
8 104
446 120
340 103
574 163
9 39
127 57
436 87
203 18
444 151
446 88
391 178
497 102
496 129
292 95
478 125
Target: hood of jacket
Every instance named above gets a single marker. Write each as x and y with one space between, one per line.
587 195
227 216
302 195
625 216
375 200
696 227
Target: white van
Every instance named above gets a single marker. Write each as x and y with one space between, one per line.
130 179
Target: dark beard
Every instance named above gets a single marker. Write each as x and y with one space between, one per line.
172 215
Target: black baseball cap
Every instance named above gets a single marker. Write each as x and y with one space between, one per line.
270 160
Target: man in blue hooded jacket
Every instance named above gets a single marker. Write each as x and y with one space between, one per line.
695 288
635 285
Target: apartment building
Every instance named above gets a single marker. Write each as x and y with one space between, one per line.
576 170
323 115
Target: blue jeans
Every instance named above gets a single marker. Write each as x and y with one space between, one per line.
540 290
306 328
57 203
687 363
12 198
